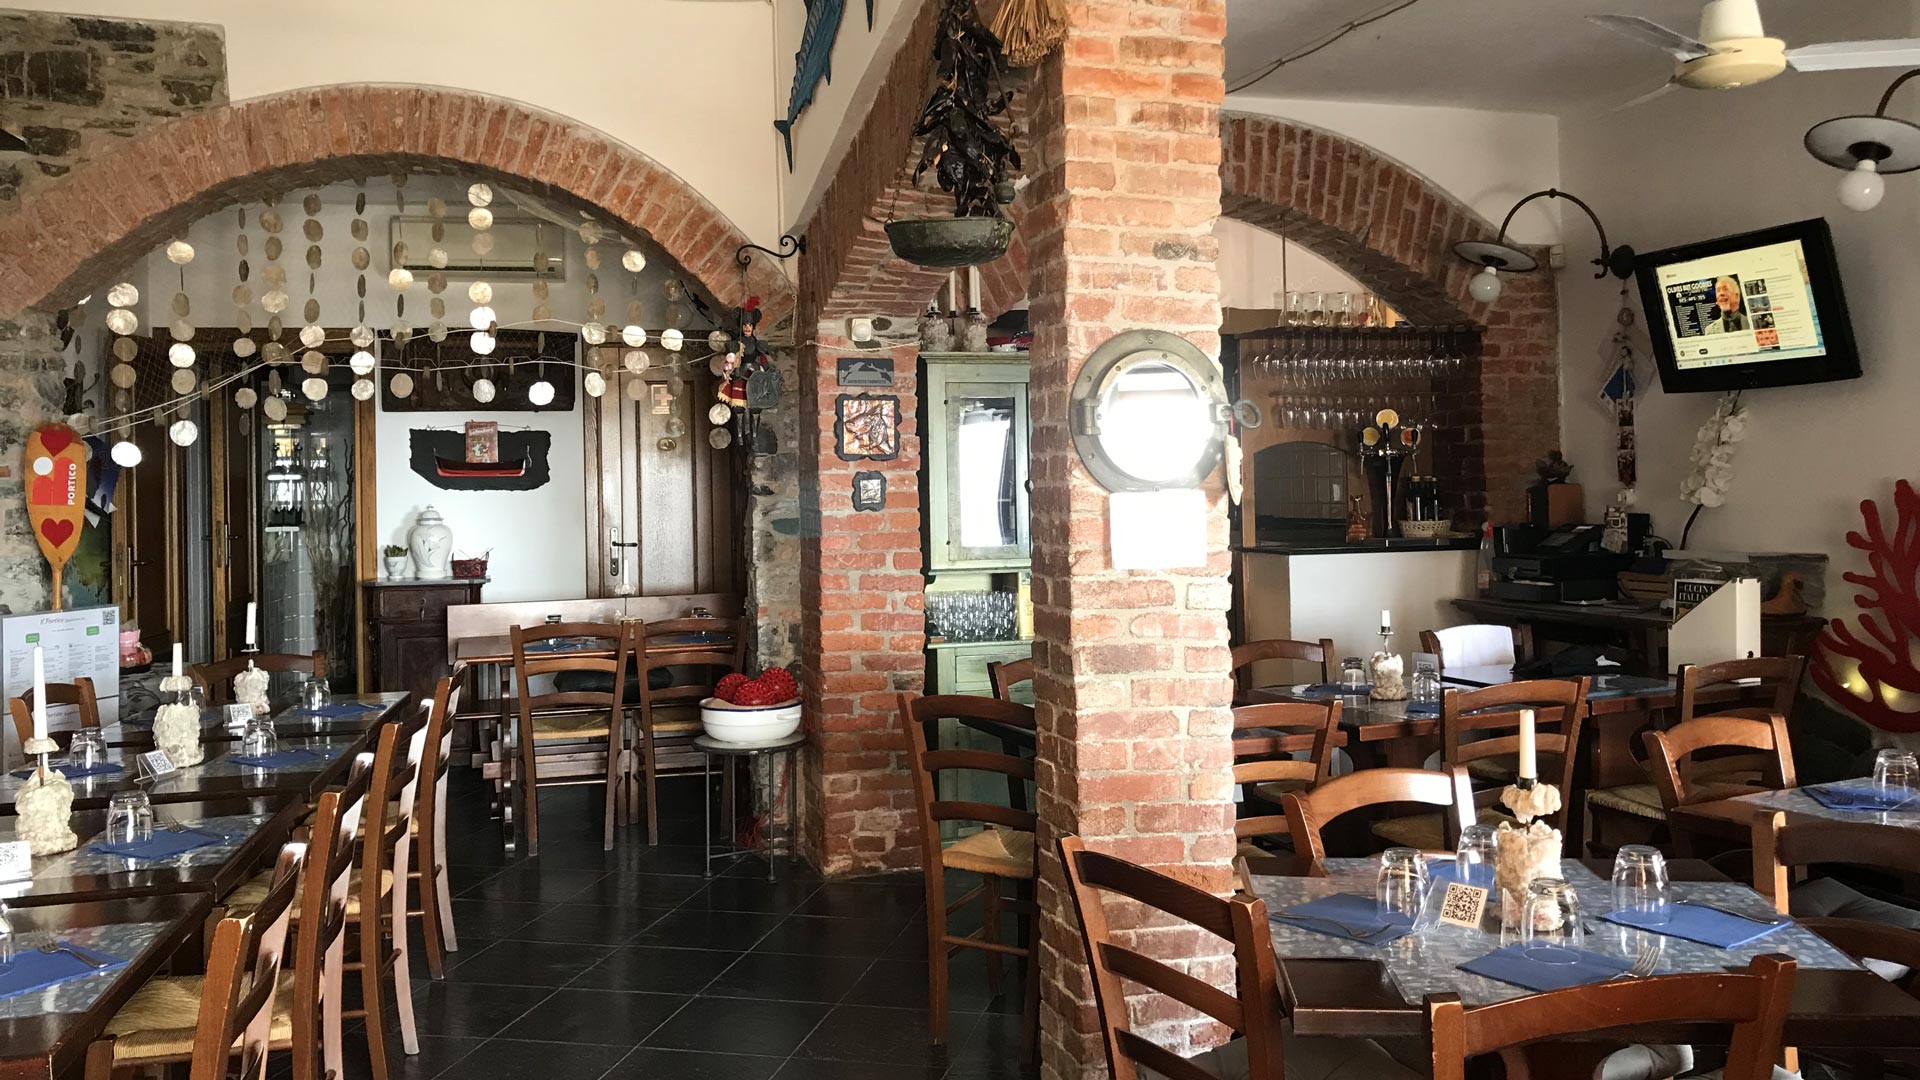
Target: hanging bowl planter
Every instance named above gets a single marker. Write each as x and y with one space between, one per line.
950 242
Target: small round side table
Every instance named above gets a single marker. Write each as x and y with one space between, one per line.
730 755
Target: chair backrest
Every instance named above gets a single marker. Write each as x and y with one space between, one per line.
1241 920
716 633
1558 706
391 799
527 663
319 940
1301 726
1670 753
1252 652
1477 645
1754 1003
1775 682
78 693
431 806
216 679
243 972
1309 811
919 715
1779 849
1004 675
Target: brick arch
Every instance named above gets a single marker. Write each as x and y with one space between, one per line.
65 236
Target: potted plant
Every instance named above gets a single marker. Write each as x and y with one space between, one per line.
971 157
395 558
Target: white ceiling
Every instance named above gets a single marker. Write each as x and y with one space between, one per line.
1510 55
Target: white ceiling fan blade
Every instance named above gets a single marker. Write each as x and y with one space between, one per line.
1641 100
1843 55
1647 32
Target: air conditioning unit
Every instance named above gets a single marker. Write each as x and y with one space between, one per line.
523 248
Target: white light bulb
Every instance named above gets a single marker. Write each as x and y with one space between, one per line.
1485 285
540 393
483 390
126 454
480 342
1862 188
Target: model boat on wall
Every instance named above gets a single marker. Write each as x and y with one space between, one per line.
449 467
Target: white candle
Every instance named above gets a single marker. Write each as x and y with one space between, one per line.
179 660
252 611
1529 766
1386 621
39 693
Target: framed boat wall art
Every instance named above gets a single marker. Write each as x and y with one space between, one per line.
441 456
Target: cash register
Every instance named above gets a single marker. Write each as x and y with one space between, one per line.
1569 564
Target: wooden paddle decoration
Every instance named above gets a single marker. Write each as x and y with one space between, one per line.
56 482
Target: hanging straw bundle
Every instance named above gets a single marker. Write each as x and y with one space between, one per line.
1029 29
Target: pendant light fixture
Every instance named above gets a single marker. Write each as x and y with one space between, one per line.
1495 256
1868 148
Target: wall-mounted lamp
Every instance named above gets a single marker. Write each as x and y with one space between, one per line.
1498 255
1868 148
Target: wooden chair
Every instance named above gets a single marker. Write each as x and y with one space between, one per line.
573 736
1261 767
1781 850
1252 652
1004 850
1466 716
1310 811
216 679
1478 645
1254 1011
429 870
229 1011
669 714
1004 675
1536 1027
1673 778
78 693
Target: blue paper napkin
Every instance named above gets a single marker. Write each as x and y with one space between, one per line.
562 644
344 708
75 772
1333 915
1696 922
1859 795
1517 964
1423 710
1443 870
1331 690
34 970
279 759
161 845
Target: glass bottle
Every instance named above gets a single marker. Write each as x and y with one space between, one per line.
1425 689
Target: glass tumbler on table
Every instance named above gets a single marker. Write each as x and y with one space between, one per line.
1353 674
88 748
259 739
1550 922
1640 883
1402 885
1426 689
1895 773
129 817
1474 857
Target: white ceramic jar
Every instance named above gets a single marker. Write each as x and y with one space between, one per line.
431 543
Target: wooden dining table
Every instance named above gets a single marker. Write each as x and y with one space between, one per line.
291 724
1732 819
253 830
1334 987
44 1034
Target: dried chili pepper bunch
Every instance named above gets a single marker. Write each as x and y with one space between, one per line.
970 156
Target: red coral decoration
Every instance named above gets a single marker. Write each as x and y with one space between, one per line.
1872 673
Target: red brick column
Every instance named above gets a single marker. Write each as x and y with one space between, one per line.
1133 688
862 627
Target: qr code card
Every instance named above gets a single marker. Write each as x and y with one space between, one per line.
1462 905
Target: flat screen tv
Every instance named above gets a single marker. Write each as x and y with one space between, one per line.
1758 309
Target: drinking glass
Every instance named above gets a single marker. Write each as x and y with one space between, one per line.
1640 882
6 938
1340 308
1297 308
87 749
1426 688
315 694
129 817
1353 673
259 739
1402 886
1550 922
1317 314
1895 773
1474 857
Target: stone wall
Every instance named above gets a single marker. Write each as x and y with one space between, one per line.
772 542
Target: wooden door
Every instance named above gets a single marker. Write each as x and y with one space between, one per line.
660 497
233 498
148 536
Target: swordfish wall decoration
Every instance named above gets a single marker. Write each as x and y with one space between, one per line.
813 62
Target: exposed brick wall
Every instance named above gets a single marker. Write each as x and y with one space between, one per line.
72 86
772 540
863 628
65 236
1132 691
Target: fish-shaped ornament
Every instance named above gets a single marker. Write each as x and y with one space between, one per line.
813 62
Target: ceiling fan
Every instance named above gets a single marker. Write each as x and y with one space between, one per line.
1733 49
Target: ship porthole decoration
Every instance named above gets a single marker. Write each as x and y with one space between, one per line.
967 147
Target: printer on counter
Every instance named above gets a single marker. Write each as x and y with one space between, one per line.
1565 564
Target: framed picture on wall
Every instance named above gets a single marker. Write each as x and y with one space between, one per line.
866 427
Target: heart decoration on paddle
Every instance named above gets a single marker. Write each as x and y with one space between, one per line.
56 475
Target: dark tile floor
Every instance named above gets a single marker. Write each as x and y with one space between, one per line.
630 965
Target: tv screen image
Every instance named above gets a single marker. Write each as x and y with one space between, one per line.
1758 309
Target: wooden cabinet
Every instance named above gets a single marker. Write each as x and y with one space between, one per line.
976 461
407 631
